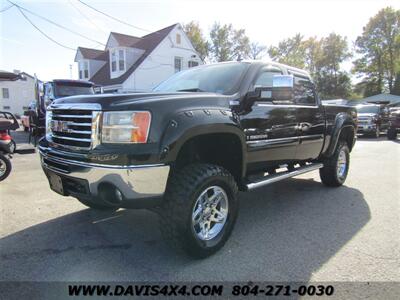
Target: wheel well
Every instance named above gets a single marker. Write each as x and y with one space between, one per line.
221 149
347 134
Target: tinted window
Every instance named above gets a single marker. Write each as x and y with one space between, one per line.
303 91
219 78
70 90
369 109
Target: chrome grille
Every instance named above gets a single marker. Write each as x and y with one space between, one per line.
73 128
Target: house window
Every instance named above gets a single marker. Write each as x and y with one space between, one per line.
83 70
113 61
118 60
192 63
6 93
6 107
178 64
178 38
121 60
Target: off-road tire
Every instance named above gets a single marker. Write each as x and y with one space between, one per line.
391 134
97 206
328 173
183 189
7 164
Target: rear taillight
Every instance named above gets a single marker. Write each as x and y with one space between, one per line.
4 136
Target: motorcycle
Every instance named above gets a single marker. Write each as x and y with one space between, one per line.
7 144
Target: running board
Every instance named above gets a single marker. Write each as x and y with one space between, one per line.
277 177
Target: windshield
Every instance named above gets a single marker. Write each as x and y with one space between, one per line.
218 78
65 90
371 109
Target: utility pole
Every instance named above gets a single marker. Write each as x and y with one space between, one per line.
70 71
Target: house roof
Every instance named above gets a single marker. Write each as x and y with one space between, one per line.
125 40
383 97
148 43
93 53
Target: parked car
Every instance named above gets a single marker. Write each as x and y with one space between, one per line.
188 147
372 119
394 124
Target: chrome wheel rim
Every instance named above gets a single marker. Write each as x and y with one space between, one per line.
210 213
3 167
341 164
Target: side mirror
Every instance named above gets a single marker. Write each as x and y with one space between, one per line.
281 90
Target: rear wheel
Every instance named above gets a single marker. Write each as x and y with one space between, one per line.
98 206
200 209
335 169
5 167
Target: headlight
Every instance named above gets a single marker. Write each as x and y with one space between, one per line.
125 127
49 115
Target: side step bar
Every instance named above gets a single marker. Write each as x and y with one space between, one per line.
277 177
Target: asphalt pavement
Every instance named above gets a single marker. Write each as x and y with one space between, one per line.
294 230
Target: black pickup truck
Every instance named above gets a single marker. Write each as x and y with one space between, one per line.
185 149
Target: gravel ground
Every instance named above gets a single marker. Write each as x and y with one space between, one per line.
294 230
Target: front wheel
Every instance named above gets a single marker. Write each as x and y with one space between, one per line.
200 209
5 167
335 169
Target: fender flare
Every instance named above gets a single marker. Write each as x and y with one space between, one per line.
183 127
342 120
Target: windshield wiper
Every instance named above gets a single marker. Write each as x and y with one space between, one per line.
191 90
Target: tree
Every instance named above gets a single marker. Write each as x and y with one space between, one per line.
322 58
257 51
228 43
221 42
379 48
195 35
241 45
289 51
331 81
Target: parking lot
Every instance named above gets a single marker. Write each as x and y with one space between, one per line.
294 230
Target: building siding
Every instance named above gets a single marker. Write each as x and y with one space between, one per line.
21 93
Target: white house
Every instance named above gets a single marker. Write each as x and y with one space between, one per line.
15 96
131 63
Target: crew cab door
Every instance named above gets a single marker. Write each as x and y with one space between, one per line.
270 128
310 117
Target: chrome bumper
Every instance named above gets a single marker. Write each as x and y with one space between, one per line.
134 182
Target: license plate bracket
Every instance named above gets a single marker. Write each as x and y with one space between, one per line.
56 183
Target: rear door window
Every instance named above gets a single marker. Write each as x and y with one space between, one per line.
304 93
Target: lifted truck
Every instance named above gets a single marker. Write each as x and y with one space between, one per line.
186 149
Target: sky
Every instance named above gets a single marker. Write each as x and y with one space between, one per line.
23 48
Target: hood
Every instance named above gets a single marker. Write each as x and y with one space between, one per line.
143 100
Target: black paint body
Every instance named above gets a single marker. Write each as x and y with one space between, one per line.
269 134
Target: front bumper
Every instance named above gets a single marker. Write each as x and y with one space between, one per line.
118 185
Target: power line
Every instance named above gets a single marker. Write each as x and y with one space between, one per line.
114 18
37 28
85 16
7 8
54 23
